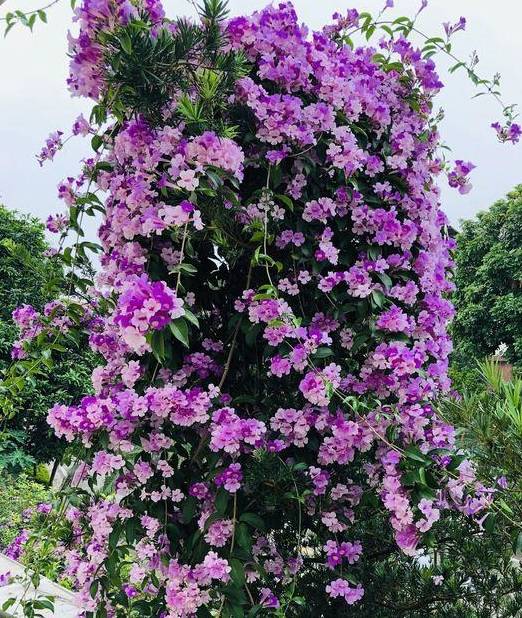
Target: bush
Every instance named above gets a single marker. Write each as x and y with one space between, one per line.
16 496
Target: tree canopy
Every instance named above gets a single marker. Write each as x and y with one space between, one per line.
488 298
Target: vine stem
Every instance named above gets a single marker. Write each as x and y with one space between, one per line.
234 522
226 368
234 337
42 8
440 48
299 530
232 544
265 230
182 250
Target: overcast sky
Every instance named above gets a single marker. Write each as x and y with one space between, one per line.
34 100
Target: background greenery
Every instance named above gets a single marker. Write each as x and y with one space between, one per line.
18 494
488 298
27 276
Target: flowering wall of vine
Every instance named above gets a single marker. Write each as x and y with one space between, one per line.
270 313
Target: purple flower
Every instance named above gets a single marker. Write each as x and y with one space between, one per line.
219 532
341 588
172 425
502 482
511 132
81 126
44 508
145 305
423 5
450 29
57 223
16 548
268 599
130 591
458 177
52 144
230 478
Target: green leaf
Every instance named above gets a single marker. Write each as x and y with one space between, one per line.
253 520
189 509
214 178
8 604
378 298
43 604
517 545
179 328
286 201
222 501
455 462
157 343
490 522
244 538
386 280
130 530
96 142
191 317
238 571
323 352
413 452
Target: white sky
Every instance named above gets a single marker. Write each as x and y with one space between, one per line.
34 99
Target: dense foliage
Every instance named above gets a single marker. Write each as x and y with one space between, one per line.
29 276
488 278
490 418
271 310
468 573
18 496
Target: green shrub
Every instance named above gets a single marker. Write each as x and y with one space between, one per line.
16 495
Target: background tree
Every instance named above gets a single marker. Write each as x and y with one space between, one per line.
488 277
28 276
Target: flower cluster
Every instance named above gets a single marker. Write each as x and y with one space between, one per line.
142 306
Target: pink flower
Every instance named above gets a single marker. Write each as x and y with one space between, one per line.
341 588
219 532
81 126
188 180
319 210
407 539
314 389
52 145
230 478
105 463
215 567
209 149
458 177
